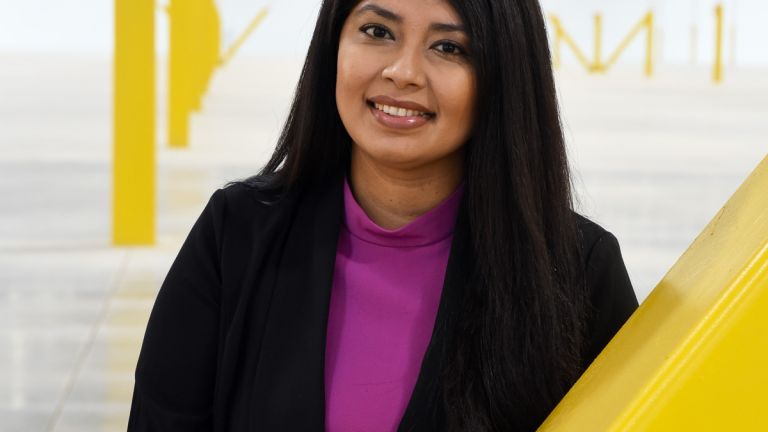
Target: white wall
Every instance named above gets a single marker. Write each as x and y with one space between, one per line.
85 26
66 26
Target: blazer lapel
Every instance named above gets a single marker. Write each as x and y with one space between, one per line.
425 410
289 389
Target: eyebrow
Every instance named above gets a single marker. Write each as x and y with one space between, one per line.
445 27
387 14
380 11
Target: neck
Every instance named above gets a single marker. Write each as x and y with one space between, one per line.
393 197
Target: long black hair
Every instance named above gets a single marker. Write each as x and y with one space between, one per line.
519 343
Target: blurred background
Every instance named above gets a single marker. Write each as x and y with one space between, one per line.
659 139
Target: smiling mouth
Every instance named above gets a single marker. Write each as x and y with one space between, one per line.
399 112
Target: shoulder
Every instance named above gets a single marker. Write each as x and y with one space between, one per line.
611 296
253 197
593 237
255 191
240 210
600 249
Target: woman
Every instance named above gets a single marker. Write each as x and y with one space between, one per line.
408 259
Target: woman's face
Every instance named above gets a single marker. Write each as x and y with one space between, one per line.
405 88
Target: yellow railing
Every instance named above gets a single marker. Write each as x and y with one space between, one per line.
562 36
647 24
193 58
232 50
597 65
693 356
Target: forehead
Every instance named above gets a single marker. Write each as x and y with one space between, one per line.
440 11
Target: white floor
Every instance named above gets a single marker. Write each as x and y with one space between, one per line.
654 160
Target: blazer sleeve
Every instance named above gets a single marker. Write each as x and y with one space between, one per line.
612 298
175 374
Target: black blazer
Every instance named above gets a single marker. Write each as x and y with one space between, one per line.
236 338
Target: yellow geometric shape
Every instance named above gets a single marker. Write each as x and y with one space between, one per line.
133 184
693 357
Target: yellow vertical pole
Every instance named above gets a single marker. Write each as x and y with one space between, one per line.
133 194
649 44
717 73
597 66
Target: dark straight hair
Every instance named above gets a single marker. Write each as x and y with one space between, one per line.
519 343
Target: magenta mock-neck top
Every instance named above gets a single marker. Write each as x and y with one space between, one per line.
386 290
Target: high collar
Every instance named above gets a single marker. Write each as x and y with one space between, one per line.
433 226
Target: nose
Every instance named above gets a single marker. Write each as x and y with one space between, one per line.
406 68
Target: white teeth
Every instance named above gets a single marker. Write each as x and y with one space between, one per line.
398 112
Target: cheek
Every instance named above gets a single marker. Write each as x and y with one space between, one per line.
354 72
456 94
343 71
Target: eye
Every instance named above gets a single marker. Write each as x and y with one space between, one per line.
449 48
376 31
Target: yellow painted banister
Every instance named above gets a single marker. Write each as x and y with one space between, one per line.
194 53
133 159
562 35
232 50
645 23
693 357
597 65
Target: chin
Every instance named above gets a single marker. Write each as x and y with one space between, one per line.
387 153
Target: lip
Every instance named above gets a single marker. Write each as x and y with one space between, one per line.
409 105
395 122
